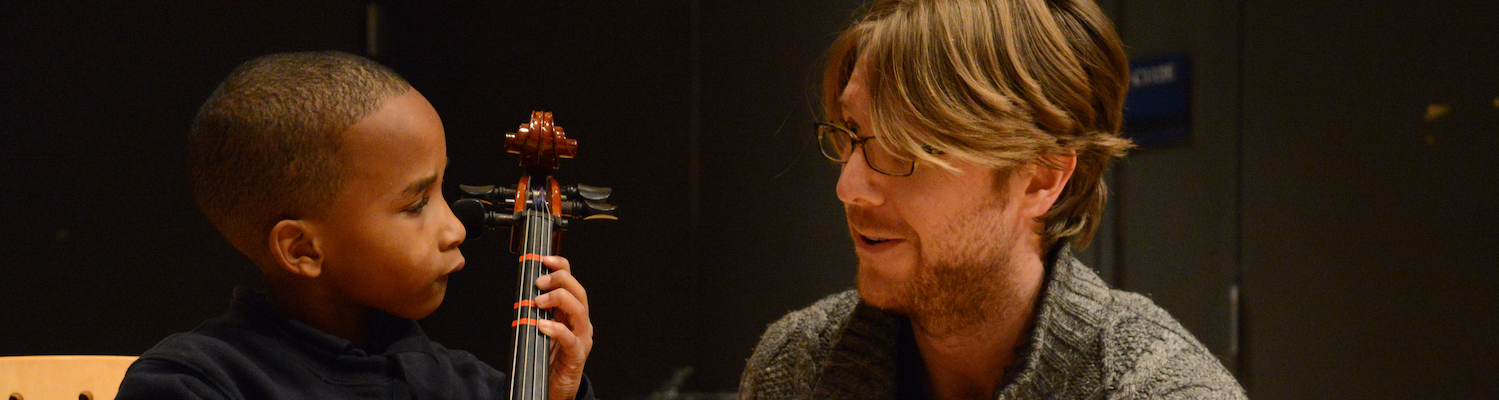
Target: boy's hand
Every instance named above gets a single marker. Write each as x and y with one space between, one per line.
571 331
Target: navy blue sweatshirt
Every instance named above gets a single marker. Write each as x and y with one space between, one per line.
253 352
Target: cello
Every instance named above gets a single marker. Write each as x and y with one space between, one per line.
537 209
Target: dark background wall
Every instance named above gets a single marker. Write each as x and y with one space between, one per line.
1358 235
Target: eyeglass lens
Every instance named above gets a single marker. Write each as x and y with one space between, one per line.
837 144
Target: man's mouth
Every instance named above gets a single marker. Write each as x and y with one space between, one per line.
872 233
873 243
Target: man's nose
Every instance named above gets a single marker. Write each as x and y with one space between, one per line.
858 183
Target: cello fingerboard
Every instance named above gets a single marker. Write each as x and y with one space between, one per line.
530 366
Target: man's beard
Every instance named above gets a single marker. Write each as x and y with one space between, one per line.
962 290
961 277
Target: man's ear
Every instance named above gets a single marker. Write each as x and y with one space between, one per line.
1046 184
295 248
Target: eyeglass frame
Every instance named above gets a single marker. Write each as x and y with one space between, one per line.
854 141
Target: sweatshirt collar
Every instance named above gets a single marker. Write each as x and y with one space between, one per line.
389 335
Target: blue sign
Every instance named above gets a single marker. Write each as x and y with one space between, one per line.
1157 109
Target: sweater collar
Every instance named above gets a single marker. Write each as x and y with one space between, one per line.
867 359
1066 328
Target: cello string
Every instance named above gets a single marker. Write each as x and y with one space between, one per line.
542 359
541 249
525 292
516 356
545 345
542 356
522 374
521 368
536 373
536 309
533 247
520 331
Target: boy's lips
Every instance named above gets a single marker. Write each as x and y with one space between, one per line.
444 276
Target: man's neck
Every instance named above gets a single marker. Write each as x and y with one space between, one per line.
968 361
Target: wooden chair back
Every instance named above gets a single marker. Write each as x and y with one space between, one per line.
62 377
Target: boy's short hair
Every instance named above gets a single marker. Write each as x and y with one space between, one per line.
265 146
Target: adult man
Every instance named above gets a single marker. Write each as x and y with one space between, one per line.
974 134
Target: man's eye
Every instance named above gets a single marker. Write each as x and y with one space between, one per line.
417 208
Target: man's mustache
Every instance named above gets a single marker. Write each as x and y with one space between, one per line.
866 221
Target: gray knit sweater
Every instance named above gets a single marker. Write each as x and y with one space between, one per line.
1088 342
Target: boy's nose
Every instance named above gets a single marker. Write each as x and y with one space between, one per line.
453 232
856 181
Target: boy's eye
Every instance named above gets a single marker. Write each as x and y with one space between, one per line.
420 204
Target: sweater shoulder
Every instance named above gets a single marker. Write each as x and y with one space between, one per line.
819 321
1153 356
793 348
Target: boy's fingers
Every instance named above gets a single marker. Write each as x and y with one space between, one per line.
556 263
573 347
571 352
564 280
573 312
564 338
573 337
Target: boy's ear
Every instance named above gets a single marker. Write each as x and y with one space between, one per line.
1046 185
294 247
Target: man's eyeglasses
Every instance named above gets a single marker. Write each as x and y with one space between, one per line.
838 144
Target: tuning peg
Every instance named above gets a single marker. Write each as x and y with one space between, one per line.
477 218
489 193
588 209
471 213
587 192
476 190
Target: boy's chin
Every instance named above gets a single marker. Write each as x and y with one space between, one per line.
416 313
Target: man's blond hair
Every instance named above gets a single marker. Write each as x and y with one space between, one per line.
1000 83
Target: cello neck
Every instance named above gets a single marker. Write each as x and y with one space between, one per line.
530 366
536 211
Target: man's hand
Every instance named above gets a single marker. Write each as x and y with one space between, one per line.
571 330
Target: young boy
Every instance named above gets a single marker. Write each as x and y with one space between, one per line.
325 170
